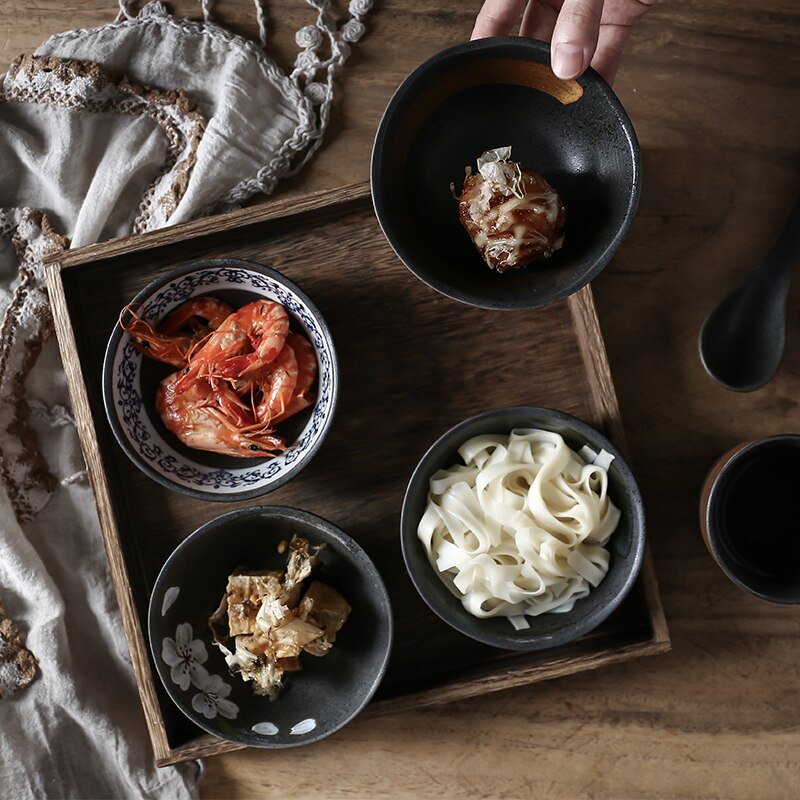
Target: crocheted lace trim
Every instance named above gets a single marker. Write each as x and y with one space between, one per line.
325 46
26 325
85 86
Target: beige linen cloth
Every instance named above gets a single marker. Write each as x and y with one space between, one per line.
142 123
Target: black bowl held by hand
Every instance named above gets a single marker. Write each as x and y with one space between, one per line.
626 544
328 691
494 93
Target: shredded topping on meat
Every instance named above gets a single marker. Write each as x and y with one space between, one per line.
501 174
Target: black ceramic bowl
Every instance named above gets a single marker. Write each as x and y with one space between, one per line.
547 630
130 381
314 703
492 93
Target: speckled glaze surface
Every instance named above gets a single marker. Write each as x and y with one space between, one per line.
548 630
314 703
715 535
492 93
130 381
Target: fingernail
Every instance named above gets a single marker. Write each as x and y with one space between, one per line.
567 60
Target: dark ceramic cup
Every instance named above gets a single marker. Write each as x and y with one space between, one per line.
749 517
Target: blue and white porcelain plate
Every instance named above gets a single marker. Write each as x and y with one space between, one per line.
129 386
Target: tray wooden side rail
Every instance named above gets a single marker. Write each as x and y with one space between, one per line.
412 364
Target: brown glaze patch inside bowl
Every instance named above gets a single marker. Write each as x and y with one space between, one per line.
491 71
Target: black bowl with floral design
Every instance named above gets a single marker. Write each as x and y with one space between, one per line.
314 702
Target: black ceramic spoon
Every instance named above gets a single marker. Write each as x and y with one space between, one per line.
741 341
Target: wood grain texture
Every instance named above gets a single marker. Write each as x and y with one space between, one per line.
94 467
399 394
713 89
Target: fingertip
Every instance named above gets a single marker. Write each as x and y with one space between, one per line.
568 60
575 37
497 18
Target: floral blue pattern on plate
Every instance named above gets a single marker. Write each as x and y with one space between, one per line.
130 402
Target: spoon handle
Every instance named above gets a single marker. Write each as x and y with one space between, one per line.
785 253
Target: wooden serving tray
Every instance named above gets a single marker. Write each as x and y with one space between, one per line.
413 363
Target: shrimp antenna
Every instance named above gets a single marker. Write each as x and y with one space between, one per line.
197 345
133 309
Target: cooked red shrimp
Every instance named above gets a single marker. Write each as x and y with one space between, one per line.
170 348
200 314
306 375
277 384
262 325
211 417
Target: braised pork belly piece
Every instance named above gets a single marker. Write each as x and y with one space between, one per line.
512 214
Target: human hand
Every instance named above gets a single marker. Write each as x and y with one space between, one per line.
582 33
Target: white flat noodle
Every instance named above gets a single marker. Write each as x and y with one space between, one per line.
474 451
518 529
451 557
585 568
604 459
519 451
443 480
519 623
607 526
427 528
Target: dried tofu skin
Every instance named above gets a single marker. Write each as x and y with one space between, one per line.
245 594
291 637
266 619
329 609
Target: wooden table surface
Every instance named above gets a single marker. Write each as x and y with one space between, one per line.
713 89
